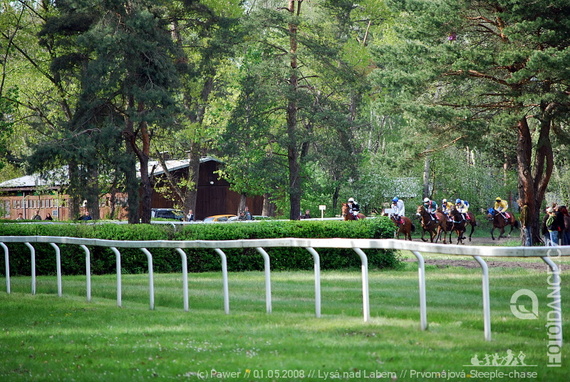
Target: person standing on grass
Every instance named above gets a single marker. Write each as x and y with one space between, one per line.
555 225
526 231
566 229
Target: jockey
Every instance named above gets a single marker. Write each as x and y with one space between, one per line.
463 207
398 209
446 206
353 207
431 207
501 207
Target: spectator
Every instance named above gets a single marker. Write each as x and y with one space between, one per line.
307 215
190 216
555 225
566 231
20 216
544 229
86 216
48 216
526 231
37 216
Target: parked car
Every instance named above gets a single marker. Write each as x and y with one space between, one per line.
253 217
167 213
219 218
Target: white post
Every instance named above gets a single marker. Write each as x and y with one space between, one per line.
267 279
7 264
184 277
87 272
317 268
150 277
58 268
422 289
224 279
365 289
555 304
119 280
33 272
486 298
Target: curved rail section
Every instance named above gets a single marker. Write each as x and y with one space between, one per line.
547 254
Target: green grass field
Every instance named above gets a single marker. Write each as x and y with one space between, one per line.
50 338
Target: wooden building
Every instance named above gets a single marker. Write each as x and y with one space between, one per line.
31 194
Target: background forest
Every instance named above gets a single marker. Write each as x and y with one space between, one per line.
306 102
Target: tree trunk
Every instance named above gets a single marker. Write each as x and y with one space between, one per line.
268 206
92 193
133 185
191 194
292 154
532 184
146 185
242 203
427 187
74 190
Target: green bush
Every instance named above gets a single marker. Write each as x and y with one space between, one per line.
133 260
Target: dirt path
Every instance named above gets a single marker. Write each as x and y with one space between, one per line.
538 264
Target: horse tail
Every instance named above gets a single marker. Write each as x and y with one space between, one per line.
516 224
413 228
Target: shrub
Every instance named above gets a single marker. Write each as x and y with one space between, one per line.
133 260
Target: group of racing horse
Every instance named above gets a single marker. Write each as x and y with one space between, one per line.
440 226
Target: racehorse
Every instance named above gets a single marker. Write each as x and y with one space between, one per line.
458 225
500 222
403 226
347 215
445 227
472 222
428 224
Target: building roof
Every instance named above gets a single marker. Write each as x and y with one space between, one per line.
55 178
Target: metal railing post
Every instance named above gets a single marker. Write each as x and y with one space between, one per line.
87 272
365 288
184 277
150 277
225 286
119 280
267 278
317 268
58 268
555 304
33 261
7 265
486 298
422 290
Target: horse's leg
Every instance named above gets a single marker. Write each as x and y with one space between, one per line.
423 233
472 230
460 236
502 232
440 230
438 236
492 236
512 227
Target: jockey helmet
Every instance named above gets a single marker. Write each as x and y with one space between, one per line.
458 201
426 200
395 200
351 199
498 199
444 201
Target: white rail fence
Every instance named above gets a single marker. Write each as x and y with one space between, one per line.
547 254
